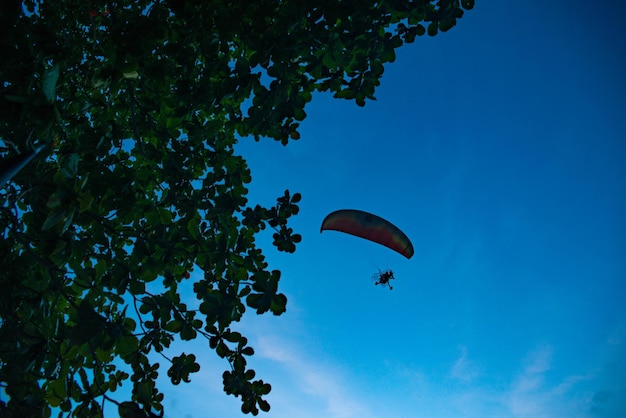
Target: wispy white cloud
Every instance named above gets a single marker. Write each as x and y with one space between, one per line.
307 385
310 377
536 391
473 391
464 369
568 383
527 396
308 382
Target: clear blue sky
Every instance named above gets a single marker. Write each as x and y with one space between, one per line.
500 149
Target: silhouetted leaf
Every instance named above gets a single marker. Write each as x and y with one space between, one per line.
49 83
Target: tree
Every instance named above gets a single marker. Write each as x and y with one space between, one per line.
139 104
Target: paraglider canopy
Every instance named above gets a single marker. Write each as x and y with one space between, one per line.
370 227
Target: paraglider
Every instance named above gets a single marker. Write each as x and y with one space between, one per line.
370 227
374 228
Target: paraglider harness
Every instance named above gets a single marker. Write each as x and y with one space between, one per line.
383 277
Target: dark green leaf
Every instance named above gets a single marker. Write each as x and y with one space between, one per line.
54 218
49 83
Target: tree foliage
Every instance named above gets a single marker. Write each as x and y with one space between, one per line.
139 104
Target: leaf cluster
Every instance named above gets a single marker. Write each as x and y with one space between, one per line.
140 104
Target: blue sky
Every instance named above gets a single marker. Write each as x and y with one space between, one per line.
500 149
